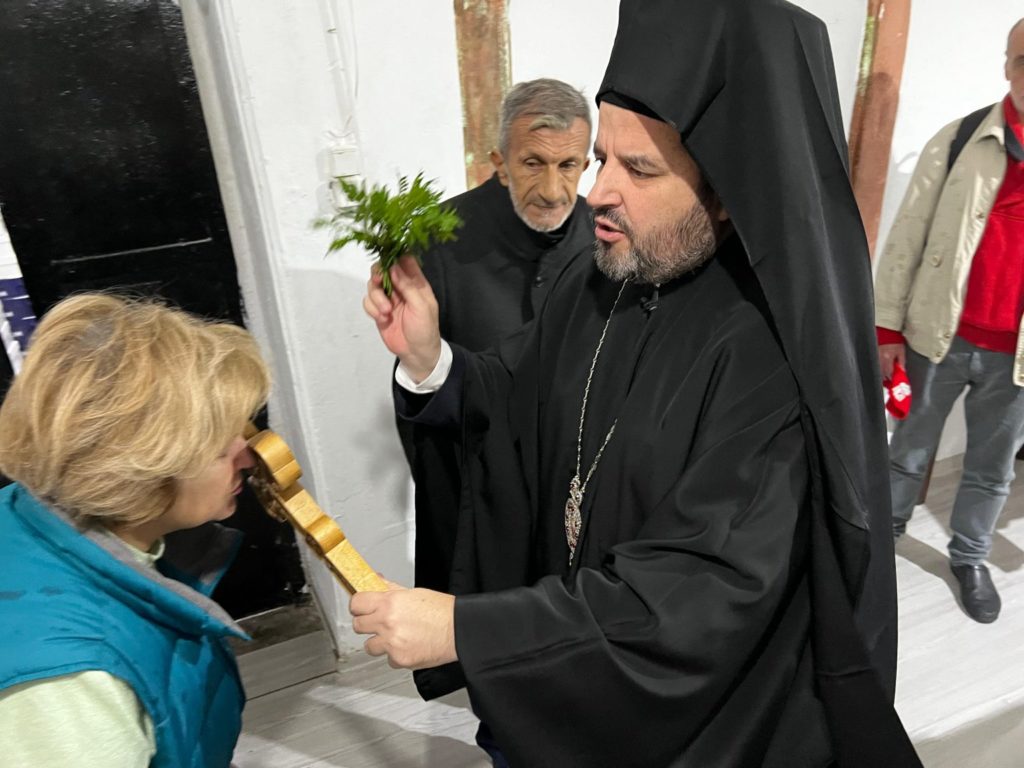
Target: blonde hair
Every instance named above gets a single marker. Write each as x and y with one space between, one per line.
119 398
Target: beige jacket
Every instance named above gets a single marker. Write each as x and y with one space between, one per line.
922 273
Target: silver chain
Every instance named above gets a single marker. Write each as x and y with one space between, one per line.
573 507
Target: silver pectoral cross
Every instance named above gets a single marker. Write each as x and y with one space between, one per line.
573 518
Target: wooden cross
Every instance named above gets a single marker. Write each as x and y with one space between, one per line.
275 480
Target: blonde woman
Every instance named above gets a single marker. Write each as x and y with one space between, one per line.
124 427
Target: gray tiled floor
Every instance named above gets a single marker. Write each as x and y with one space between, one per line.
363 715
961 684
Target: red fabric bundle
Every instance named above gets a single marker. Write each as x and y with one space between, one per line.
897 391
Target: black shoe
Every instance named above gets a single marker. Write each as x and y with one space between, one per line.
977 592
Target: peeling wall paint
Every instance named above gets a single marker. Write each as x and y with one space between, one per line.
867 56
482 36
874 113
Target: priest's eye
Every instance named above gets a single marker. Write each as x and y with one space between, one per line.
637 174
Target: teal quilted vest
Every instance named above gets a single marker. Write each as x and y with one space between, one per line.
75 600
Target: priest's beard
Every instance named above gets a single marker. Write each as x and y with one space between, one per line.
662 253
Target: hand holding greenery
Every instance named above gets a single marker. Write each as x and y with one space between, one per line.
391 226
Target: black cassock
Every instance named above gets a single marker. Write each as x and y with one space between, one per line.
495 275
680 633
489 281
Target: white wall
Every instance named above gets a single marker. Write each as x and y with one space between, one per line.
569 40
954 65
406 79
9 270
280 84
296 91
8 261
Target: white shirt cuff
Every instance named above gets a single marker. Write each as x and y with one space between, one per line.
433 382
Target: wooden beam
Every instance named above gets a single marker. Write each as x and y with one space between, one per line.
482 36
874 111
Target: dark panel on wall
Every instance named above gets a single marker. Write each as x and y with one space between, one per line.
107 182
106 177
6 374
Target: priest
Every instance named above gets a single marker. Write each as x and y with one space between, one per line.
682 461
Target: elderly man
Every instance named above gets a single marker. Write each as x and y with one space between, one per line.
691 483
521 227
949 301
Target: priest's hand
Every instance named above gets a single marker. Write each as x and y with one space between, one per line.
407 320
415 628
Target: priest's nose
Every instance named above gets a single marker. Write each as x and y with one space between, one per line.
603 193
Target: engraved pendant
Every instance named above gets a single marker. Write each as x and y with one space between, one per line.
573 518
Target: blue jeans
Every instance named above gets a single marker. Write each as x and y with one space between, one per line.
994 411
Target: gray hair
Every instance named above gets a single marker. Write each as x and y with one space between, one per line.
554 104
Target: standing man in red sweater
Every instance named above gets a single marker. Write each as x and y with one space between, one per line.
949 300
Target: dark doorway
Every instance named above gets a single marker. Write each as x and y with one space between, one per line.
107 181
6 373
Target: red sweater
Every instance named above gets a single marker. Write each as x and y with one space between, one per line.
995 288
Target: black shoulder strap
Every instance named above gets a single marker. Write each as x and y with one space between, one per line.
966 129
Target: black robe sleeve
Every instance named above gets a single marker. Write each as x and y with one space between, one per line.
476 536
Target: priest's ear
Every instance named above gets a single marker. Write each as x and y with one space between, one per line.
712 203
498 161
721 221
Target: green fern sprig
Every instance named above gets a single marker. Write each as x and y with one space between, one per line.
391 225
